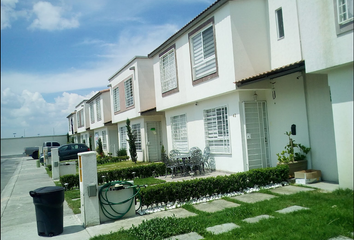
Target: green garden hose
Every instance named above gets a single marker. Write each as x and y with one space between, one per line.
105 204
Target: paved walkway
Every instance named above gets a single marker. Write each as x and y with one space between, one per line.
18 219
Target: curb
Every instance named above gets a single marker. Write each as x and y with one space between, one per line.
7 192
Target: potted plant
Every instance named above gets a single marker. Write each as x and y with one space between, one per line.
294 155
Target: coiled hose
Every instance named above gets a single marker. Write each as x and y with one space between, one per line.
107 205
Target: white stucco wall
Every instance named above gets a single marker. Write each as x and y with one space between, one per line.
320 116
233 161
341 84
289 107
15 146
322 47
146 88
249 39
286 50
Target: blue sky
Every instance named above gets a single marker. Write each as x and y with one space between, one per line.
54 54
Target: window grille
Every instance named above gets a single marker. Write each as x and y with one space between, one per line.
345 11
129 100
203 52
217 130
179 133
136 130
123 137
168 71
98 109
116 99
280 24
92 112
104 140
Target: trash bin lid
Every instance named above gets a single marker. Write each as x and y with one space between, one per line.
46 190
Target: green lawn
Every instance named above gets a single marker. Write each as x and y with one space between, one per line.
329 215
119 165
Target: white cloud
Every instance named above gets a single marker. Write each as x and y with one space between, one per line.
9 14
29 111
50 18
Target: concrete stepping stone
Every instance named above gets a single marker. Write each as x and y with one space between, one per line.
257 218
218 229
341 238
214 206
292 209
187 236
177 212
287 190
253 197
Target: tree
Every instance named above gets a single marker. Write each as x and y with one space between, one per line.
131 141
99 148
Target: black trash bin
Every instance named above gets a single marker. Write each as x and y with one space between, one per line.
48 202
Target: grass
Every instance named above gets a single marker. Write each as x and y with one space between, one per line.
329 215
119 165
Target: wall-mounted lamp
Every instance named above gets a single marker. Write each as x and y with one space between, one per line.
132 68
255 96
196 103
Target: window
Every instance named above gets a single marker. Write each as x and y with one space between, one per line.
179 133
345 11
343 14
136 130
80 119
104 140
123 137
92 112
129 100
217 130
116 102
280 24
98 109
168 71
203 52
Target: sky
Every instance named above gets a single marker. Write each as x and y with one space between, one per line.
54 54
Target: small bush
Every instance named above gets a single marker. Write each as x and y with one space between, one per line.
71 179
122 152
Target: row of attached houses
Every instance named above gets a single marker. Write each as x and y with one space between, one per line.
236 78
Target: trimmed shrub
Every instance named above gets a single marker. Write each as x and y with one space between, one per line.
71 179
197 188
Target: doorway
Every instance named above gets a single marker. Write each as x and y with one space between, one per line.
154 141
256 134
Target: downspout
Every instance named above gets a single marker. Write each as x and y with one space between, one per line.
298 21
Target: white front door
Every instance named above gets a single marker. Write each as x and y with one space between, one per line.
256 133
154 141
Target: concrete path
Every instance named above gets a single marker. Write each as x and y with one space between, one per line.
18 218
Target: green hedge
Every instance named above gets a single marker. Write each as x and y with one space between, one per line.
197 188
118 174
127 173
110 159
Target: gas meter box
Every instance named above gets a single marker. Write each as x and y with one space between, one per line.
92 190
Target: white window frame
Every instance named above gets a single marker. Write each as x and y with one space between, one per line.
280 26
104 140
129 95
168 71
116 100
92 112
123 137
216 126
98 109
204 60
179 132
80 119
343 13
136 128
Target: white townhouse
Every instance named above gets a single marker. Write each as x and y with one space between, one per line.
101 126
241 73
133 96
83 124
